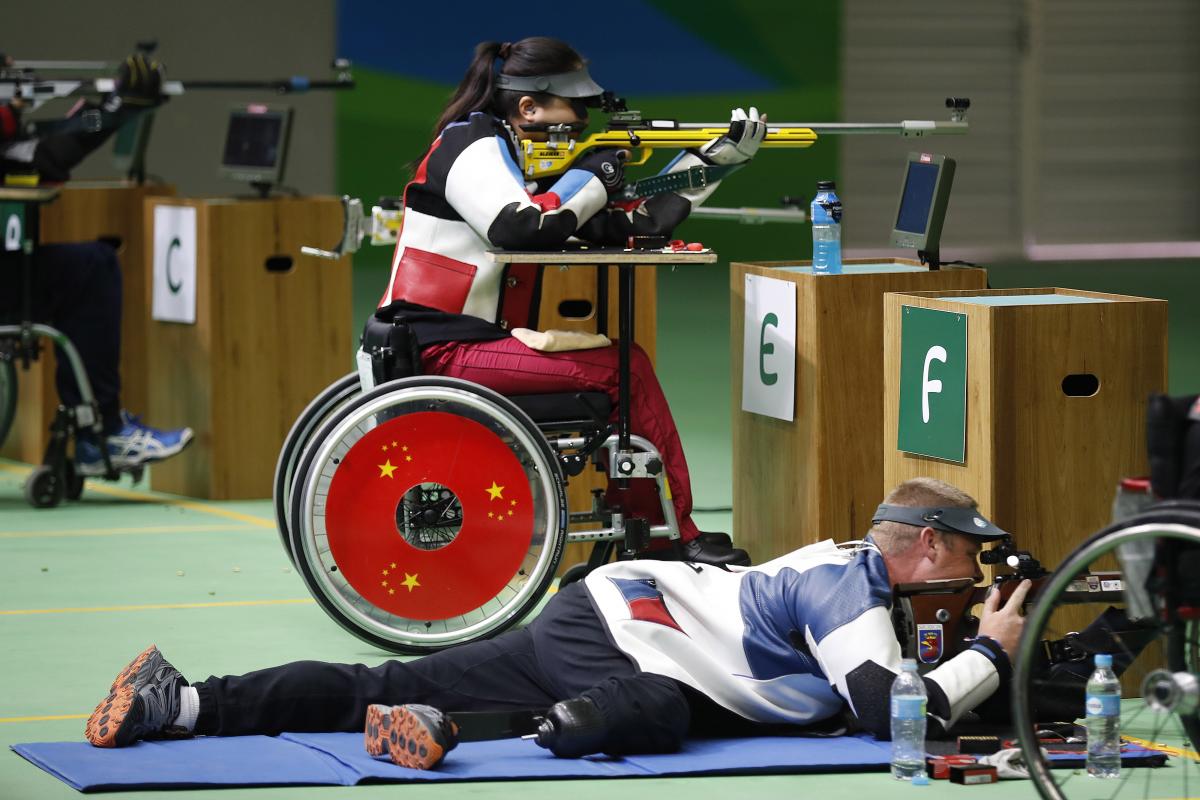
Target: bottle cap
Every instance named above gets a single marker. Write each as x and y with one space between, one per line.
909 665
920 779
826 185
1103 660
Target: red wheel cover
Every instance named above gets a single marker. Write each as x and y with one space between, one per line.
368 485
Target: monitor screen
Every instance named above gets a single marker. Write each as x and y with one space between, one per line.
917 197
256 143
924 195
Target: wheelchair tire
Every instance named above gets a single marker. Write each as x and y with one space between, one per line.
472 514
1174 521
8 397
44 488
297 439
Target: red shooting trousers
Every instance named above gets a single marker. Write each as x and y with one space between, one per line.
509 367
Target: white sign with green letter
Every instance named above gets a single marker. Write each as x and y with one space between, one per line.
174 264
769 348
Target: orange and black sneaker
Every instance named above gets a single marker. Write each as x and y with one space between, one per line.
141 704
414 736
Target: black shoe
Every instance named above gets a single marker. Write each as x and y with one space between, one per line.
700 551
142 704
716 538
414 736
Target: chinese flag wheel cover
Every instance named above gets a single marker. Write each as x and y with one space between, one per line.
497 515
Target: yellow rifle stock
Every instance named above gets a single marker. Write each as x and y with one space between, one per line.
546 159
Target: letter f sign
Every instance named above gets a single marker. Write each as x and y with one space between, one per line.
935 353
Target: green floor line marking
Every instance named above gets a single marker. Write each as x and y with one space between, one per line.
44 719
130 494
128 531
156 607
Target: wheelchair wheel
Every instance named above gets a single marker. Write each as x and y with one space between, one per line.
293 447
1159 552
428 512
44 488
8 397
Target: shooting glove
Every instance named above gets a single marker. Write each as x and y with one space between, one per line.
139 81
746 133
608 165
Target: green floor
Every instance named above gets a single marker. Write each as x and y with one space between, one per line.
84 587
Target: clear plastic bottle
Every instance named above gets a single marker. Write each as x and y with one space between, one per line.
826 215
908 722
1103 720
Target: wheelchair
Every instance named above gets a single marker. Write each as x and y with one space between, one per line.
55 479
1158 551
423 511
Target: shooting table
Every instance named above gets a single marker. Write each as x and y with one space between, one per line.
272 329
587 276
820 475
110 211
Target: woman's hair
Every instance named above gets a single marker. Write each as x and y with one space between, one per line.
896 537
535 55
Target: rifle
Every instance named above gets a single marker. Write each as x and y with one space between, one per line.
935 620
628 130
34 83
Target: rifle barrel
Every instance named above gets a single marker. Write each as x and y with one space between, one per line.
904 127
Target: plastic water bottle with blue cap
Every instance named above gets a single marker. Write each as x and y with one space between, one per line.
1103 708
826 215
908 722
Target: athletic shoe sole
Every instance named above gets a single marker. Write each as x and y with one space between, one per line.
402 736
104 725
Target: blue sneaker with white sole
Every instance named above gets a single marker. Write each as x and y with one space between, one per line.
133 446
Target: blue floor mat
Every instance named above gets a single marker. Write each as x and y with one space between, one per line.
339 759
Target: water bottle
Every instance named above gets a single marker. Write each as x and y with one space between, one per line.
1103 720
908 723
826 215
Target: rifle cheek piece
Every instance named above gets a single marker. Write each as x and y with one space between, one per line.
967 521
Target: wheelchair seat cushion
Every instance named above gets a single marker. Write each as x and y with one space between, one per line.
564 406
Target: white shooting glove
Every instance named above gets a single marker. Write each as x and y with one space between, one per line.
746 133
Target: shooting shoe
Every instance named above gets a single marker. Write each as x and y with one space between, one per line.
414 736
141 704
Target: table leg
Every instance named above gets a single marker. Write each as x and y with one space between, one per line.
624 346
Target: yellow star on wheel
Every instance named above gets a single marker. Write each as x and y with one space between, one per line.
384 448
394 444
386 469
392 565
383 583
391 591
410 581
385 572
496 492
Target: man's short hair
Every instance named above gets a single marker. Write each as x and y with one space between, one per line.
896 537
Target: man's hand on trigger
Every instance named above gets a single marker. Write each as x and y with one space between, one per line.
746 133
1004 624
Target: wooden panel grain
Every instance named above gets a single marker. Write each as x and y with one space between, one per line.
266 340
819 476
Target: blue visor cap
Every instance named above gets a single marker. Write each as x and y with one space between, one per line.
575 85
967 521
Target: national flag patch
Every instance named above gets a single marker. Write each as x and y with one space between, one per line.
645 601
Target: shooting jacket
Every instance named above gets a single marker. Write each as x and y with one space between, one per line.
793 640
469 195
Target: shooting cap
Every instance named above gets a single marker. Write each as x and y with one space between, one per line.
952 519
574 85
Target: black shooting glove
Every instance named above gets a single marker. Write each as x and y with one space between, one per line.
607 164
139 81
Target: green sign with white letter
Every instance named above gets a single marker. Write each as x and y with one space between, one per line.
933 383
12 215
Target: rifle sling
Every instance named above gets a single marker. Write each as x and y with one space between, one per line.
696 177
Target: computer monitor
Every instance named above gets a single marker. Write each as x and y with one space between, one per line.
256 142
924 195
129 146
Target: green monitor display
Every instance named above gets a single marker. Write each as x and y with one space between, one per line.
255 148
924 195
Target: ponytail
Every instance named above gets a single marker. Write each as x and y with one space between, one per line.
534 55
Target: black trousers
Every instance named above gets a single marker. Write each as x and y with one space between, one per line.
564 653
77 289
